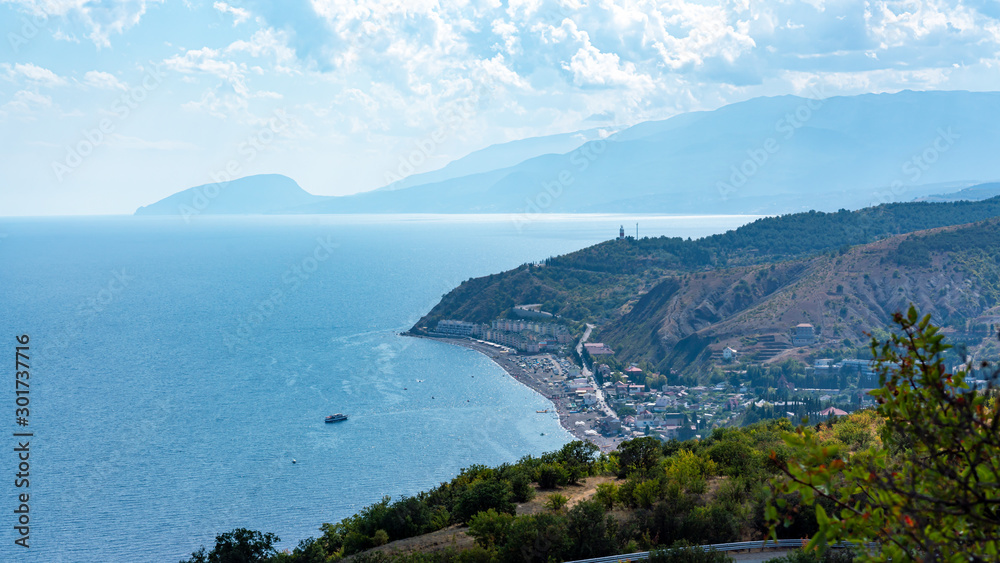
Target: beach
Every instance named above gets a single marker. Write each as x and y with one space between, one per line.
545 375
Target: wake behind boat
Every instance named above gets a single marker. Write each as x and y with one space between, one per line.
336 417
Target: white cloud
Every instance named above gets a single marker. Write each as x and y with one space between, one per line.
240 15
508 32
119 141
219 105
895 22
497 70
32 74
591 67
26 104
103 80
208 60
268 43
100 19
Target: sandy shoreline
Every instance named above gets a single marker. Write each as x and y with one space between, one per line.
534 381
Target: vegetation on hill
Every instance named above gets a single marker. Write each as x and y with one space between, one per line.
952 273
601 283
786 236
663 495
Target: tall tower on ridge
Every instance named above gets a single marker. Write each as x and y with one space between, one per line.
621 232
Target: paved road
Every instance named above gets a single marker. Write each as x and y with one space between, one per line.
602 405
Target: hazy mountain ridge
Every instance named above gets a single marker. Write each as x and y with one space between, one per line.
764 155
972 193
263 193
493 157
761 156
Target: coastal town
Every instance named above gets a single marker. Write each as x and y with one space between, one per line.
597 402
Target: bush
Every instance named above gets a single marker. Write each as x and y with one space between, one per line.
490 528
641 454
588 531
484 495
538 538
552 475
555 502
646 493
689 470
606 495
520 485
239 546
830 556
682 552
733 458
930 492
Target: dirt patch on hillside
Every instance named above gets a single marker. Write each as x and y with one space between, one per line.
575 494
457 537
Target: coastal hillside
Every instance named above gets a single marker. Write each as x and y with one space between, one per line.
950 273
673 302
570 504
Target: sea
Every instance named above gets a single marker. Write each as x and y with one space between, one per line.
179 371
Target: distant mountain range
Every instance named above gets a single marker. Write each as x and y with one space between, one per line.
974 193
764 156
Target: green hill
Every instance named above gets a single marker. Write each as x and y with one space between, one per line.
671 301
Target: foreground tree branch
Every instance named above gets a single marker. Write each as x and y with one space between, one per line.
932 491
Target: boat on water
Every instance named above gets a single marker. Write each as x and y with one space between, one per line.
546 410
336 417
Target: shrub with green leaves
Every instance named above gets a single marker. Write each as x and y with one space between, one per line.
933 493
683 552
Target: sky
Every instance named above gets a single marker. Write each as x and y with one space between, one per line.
109 105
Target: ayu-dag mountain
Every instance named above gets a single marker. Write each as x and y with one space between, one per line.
761 156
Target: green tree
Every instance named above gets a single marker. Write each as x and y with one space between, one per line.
578 458
484 495
490 528
552 475
606 495
238 546
933 493
638 454
587 529
538 538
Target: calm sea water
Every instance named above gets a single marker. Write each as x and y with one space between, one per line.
178 368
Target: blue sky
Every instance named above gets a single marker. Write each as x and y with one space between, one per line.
106 106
